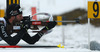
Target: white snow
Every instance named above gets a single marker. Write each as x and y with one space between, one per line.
44 50
76 39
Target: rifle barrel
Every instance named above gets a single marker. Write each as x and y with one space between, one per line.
67 21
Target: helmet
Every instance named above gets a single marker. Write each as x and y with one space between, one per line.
13 10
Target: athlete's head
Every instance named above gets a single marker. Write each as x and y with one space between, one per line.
14 12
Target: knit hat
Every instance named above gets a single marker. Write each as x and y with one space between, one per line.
13 10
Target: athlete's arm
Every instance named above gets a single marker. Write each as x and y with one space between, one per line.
7 38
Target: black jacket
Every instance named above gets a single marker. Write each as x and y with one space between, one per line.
6 36
22 34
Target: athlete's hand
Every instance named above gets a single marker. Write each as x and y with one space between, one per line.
50 25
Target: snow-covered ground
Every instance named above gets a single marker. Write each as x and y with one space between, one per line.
76 39
44 50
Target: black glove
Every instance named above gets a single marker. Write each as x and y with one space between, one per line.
50 25
26 22
26 25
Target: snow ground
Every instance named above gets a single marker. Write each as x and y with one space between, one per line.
44 50
76 39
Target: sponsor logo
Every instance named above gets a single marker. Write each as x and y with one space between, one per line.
3 31
16 27
36 23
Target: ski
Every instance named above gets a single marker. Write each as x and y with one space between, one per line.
28 47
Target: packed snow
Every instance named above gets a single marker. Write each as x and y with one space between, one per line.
76 39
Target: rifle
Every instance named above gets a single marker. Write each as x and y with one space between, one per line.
35 23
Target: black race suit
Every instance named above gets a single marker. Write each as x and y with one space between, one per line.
22 34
